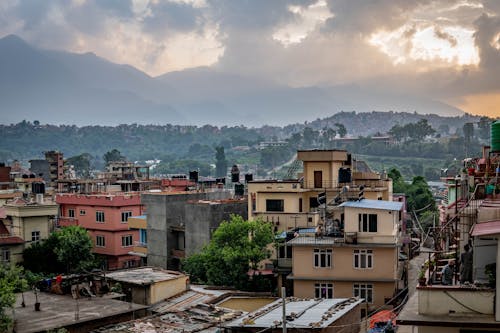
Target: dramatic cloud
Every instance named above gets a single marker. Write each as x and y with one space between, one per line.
447 49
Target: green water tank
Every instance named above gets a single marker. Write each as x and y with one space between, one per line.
495 136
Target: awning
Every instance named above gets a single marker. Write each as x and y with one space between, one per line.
486 228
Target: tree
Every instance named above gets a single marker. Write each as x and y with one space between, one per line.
113 156
341 129
74 248
10 283
468 129
81 163
236 247
220 162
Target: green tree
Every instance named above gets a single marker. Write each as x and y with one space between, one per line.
10 283
220 162
113 156
468 130
82 164
236 247
341 129
74 248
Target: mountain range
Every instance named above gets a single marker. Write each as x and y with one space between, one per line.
67 88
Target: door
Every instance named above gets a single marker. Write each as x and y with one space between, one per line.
318 179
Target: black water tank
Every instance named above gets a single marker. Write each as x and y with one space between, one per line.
248 177
344 175
38 188
193 176
235 174
221 180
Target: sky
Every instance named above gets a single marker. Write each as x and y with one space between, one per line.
442 49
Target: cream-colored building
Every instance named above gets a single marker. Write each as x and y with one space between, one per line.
329 178
361 261
27 221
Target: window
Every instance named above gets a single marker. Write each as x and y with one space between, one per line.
99 216
5 256
273 205
363 290
82 212
127 240
35 236
125 216
323 290
100 241
367 222
363 259
143 236
322 258
71 213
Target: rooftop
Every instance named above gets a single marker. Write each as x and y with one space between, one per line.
59 311
144 275
301 313
374 204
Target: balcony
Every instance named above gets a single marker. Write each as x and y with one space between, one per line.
140 248
179 254
285 262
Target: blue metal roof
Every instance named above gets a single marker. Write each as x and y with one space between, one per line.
374 204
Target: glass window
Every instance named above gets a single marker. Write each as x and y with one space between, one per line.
82 212
99 216
367 222
71 213
364 291
143 236
323 290
5 256
100 241
363 259
35 236
125 216
273 205
127 240
322 258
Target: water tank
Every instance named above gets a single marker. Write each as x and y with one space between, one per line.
248 177
235 174
38 187
495 136
193 176
344 175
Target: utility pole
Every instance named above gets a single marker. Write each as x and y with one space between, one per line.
283 297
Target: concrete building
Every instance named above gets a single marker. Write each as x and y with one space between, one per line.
361 261
329 178
469 218
5 178
149 285
23 223
179 224
105 216
51 169
302 315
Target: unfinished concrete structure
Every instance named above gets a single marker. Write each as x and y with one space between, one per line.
181 223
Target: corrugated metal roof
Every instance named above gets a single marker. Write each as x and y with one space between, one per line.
486 228
374 204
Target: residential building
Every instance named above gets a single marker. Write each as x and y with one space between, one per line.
469 218
180 223
362 260
23 223
5 178
51 169
329 178
105 216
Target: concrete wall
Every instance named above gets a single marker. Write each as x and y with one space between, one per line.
166 289
203 218
165 211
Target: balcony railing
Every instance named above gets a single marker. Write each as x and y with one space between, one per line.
285 262
63 221
140 244
333 184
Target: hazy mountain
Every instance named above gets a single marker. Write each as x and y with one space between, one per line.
61 87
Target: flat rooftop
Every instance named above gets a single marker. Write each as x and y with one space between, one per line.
144 275
303 313
374 204
59 311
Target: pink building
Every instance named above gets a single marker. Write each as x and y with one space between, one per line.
105 216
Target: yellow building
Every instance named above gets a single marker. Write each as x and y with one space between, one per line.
26 221
363 260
